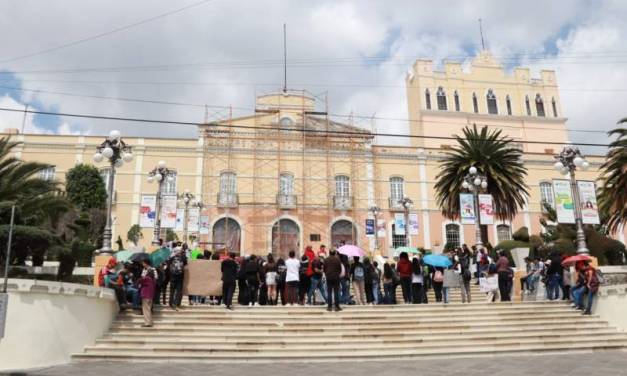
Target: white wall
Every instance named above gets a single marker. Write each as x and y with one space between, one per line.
611 305
49 321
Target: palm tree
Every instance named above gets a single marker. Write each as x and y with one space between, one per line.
613 192
495 157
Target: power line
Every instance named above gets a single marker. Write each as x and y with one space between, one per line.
286 129
104 34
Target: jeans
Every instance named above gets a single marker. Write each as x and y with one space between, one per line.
578 296
228 288
465 285
589 303
388 291
253 290
176 290
345 287
445 293
333 292
504 286
553 287
406 286
376 292
437 289
132 293
316 283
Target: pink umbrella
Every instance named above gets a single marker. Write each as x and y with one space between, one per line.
351 250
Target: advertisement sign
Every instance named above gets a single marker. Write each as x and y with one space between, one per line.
204 224
180 216
588 202
486 209
369 227
147 211
564 205
193 217
399 224
381 228
168 211
467 208
413 224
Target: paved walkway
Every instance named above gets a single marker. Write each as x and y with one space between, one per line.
587 364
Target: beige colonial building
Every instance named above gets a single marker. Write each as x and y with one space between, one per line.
288 176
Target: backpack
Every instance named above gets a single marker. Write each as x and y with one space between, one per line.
359 273
176 266
438 276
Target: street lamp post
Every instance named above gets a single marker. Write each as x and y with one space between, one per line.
375 210
188 199
567 162
159 174
475 182
407 204
116 152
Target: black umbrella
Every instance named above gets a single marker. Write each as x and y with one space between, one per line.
140 257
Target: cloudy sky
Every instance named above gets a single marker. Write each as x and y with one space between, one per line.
222 53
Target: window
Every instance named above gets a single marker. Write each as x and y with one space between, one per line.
527 105
503 232
427 99
475 105
47 174
456 97
546 195
396 188
441 95
539 105
228 182
104 174
169 184
554 104
398 240
452 235
314 237
341 186
491 99
286 184
508 102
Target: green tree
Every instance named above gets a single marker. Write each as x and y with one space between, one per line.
85 188
170 235
495 157
134 234
613 190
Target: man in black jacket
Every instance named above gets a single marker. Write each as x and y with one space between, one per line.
333 272
229 276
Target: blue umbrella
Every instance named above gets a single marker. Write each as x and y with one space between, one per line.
437 261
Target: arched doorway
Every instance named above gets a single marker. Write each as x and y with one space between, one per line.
227 234
285 237
343 232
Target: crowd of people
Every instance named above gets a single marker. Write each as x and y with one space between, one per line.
326 277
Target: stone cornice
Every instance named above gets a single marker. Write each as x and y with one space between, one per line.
59 288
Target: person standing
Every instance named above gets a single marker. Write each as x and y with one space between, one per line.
304 282
176 265
270 268
291 277
252 279
416 281
316 280
503 271
437 282
345 281
229 277
404 272
333 270
368 280
281 285
592 286
242 296
146 286
466 274
554 276
376 283
358 275
388 284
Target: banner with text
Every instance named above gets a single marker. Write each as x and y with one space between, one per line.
180 216
369 227
467 208
413 224
588 202
564 205
399 224
381 228
168 211
204 224
486 210
193 219
147 211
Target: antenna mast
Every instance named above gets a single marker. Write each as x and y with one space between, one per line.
284 58
481 33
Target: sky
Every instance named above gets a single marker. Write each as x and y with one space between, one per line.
215 54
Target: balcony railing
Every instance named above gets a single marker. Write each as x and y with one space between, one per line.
228 200
395 205
342 202
286 201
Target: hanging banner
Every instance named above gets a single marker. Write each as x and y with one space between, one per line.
413 224
399 224
168 211
381 228
564 205
193 217
467 208
588 202
180 216
369 227
486 209
204 224
147 211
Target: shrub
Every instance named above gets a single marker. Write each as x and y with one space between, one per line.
66 266
522 234
82 252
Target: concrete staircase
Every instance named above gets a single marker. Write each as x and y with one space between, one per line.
291 334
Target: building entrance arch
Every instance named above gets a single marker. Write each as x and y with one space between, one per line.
227 233
285 237
343 232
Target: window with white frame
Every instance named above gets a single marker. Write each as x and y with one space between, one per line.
169 184
503 232
286 184
456 99
228 182
441 96
539 106
342 187
475 105
397 239
491 101
47 174
396 188
427 99
546 195
452 235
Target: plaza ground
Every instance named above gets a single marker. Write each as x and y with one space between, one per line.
596 363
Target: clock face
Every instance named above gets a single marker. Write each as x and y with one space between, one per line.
286 121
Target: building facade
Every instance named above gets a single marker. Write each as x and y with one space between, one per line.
288 176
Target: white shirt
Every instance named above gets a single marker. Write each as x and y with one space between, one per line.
293 268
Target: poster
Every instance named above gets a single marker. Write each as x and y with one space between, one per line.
180 216
588 202
467 208
168 211
203 277
381 228
193 217
413 224
204 224
486 209
399 224
147 211
369 227
564 205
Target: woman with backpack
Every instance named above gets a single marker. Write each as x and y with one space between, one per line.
416 281
358 275
404 270
592 286
437 280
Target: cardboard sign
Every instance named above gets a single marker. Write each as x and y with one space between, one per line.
203 277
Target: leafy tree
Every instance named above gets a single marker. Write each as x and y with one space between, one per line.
85 188
170 235
134 234
613 192
522 234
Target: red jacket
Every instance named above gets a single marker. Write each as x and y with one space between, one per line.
404 268
311 256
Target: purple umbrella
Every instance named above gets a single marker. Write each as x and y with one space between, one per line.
351 250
